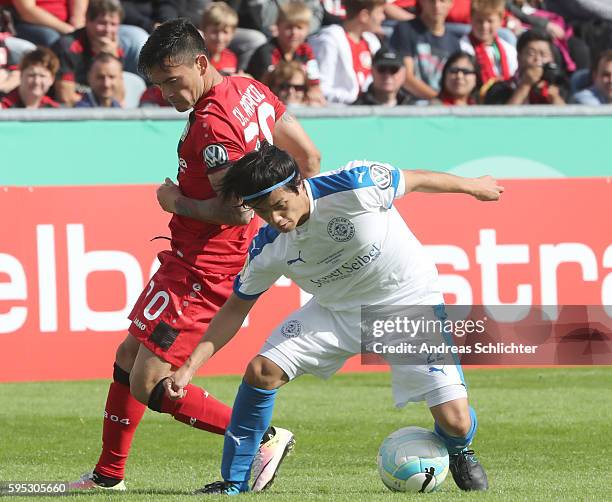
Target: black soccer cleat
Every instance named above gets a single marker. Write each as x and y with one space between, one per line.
468 473
219 488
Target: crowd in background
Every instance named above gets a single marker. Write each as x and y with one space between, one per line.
84 53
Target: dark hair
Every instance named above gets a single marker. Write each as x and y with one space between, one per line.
259 170
100 7
174 42
354 7
453 58
534 36
604 57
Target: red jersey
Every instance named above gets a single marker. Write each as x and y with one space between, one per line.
362 60
225 124
227 64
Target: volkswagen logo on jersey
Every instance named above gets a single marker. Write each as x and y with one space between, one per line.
341 229
291 329
381 176
215 155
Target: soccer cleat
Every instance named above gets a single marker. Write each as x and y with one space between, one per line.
467 471
219 488
275 446
92 481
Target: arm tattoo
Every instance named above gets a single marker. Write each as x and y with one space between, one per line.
185 207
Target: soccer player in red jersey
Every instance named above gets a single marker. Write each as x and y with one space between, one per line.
230 117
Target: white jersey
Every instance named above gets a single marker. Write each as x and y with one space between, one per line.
355 249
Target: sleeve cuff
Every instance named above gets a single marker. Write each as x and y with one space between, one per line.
240 294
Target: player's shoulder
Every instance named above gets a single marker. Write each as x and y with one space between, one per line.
266 241
356 175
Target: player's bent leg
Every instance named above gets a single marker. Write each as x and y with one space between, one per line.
251 417
122 414
197 408
456 424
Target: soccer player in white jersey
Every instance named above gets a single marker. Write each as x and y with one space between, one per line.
338 237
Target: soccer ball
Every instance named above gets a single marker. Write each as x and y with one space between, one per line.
412 459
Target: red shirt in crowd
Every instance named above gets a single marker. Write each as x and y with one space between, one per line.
362 60
227 64
225 124
75 56
13 100
267 56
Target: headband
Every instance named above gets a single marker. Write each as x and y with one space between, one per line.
268 190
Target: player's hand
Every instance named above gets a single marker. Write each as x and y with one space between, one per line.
486 188
175 384
167 195
106 44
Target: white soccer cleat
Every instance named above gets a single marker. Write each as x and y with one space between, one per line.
88 482
269 457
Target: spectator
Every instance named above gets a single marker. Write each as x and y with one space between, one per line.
101 34
388 76
527 14
600 93
425 45
460 81
44 21
148 14
9 70
256 20
288 80
537 81
105 78
38 69
219 22
496 58
344 52
290 45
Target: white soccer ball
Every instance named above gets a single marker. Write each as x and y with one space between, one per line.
413 459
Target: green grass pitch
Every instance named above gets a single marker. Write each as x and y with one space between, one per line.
545 434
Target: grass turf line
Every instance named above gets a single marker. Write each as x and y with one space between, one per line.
544 435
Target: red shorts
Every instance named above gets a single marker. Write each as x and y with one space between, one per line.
176 307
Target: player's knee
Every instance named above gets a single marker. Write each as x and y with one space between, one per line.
458 423
140 390
264 374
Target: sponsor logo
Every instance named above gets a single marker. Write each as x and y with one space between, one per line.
381 176
182 165
341 229
348 268
215 155
139 324
295 260
291 329
433 369
236 439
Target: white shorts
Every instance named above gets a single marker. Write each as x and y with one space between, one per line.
314 340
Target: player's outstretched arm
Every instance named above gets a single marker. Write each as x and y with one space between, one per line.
291 137
222 329
212 210
484 188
